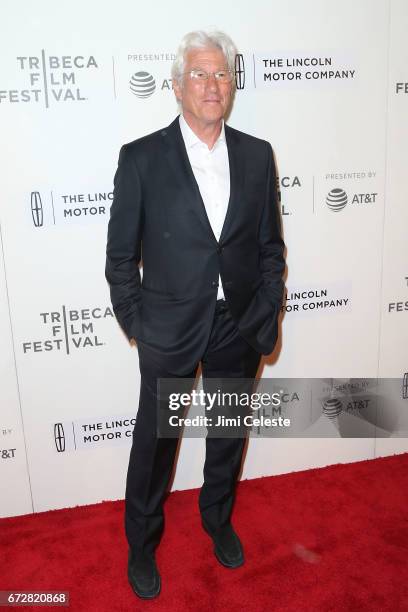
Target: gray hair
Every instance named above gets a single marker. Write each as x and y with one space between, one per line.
203 40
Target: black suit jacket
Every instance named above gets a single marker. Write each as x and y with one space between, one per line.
158 216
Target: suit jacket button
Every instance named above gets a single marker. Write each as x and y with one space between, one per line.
214 284
220 249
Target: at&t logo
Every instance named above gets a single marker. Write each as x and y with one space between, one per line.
337 199
142 84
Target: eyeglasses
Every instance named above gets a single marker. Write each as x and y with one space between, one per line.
222 76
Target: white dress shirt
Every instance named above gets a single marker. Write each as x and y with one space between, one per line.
211 171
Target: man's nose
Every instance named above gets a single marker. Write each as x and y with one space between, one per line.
212 82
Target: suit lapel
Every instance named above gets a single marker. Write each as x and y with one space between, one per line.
177 156
236 167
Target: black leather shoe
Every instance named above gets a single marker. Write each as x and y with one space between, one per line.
227 546
143 575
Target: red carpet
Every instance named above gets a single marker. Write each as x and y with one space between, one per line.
332 539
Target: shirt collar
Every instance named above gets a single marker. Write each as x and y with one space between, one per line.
191 139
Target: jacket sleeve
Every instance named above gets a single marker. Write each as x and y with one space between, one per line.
271 245
123 250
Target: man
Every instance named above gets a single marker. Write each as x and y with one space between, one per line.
198 199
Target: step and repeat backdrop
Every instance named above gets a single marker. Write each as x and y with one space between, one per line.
326 82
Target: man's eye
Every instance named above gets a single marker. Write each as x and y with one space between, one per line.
200 74
221 74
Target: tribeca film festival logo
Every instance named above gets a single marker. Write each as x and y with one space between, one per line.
50 79
69 330
401 88
338 198
289 184
400 305
91 433
68 207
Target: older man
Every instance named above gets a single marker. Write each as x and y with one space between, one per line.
198 198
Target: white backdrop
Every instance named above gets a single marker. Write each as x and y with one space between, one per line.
326 84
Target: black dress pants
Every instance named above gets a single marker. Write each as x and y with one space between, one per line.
227 355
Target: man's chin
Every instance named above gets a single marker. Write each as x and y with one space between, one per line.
213 117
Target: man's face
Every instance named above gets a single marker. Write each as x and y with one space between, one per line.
204 102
